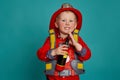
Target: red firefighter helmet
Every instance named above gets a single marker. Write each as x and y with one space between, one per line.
66 7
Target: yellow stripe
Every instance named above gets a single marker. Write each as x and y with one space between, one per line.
52 38
75 34
51 31
80 66
48 66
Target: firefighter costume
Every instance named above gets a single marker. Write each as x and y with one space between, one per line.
74 64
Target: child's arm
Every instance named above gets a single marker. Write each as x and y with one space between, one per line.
81 48
85 53
77 45
46 54
42 52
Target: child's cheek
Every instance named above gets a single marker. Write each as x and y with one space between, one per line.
62 24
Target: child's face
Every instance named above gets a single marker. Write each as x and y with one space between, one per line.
66 22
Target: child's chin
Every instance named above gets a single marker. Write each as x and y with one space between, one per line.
66 33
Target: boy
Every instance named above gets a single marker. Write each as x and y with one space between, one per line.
65 24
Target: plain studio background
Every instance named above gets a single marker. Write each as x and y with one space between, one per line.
24 28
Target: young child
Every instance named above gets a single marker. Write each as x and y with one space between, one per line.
64 26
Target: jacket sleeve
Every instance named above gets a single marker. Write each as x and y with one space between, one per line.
42 52
85 53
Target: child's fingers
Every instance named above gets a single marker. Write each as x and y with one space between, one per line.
64 45
64 48
71 36
64 53
70 42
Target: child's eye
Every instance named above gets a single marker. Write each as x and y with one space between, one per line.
63 20
71 20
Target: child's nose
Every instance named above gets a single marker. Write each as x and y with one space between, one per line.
67 22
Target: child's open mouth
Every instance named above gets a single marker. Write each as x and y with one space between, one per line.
67 28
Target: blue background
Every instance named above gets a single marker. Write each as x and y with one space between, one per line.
24 28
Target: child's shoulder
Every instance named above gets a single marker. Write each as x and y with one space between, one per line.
48 38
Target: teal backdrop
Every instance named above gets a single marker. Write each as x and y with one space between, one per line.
24 28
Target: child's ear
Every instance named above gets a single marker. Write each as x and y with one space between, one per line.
56 25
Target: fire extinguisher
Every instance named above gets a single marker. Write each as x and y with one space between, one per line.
62 58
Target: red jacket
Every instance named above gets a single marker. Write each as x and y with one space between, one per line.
42 52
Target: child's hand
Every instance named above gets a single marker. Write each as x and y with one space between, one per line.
77 46
61 50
